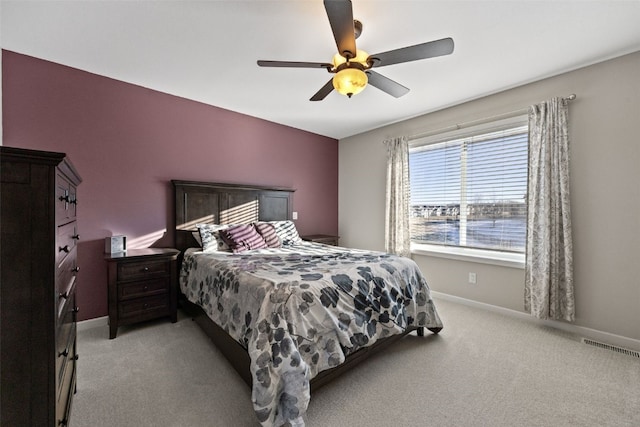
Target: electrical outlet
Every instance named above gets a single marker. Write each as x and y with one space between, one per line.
295 215
472 278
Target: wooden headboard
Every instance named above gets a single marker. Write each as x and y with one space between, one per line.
220 203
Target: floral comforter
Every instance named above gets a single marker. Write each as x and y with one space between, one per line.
301 309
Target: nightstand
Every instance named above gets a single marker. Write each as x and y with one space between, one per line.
327 239
142 286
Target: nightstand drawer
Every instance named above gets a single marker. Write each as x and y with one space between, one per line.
143 289
143 270
142 306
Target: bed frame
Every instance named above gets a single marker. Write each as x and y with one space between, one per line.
219 203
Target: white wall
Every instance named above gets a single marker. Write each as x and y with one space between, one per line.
605 185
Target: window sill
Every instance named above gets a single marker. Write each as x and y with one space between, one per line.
503 259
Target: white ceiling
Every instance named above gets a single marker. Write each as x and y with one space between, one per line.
207 50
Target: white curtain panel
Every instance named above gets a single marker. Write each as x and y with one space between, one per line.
549 292
397 233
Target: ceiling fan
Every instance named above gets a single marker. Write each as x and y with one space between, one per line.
353 67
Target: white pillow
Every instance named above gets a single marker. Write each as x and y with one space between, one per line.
287 232
210 237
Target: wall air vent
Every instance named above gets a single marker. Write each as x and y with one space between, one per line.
611 347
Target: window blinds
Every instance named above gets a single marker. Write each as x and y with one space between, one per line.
470 190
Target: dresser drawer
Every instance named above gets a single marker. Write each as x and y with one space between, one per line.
143 270
67 313
65 353
65 391
140 308
65 357
143 289
66 300
66 199
66 273
66 240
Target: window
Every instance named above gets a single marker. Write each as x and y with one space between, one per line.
468 188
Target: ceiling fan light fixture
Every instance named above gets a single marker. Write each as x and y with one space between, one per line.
338 60
350 81
361 58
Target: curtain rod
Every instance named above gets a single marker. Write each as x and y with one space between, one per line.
479 121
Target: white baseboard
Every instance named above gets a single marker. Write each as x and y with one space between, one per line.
594 334
93 323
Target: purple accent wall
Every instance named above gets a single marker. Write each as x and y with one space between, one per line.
128 142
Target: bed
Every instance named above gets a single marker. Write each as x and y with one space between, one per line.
291 316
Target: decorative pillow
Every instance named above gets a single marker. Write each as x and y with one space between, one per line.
242 237
210 237
268 233
286 231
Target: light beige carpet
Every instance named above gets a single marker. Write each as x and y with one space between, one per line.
484 369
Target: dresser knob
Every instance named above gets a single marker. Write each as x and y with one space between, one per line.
75 269
63 422
75 309
64 198
76 357
76 237
63 295
145 269
65 353
64 248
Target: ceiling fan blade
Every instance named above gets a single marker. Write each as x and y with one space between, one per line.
323 92
413 53
340 14
294 64
387 85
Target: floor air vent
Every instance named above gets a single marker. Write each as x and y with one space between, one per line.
611 347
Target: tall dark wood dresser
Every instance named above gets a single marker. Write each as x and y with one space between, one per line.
38 269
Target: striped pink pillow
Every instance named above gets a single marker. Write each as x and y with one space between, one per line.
268 233
242 237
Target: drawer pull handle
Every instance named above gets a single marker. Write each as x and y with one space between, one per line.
75 269
65 353
64 248
76 237
63 295
145 269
